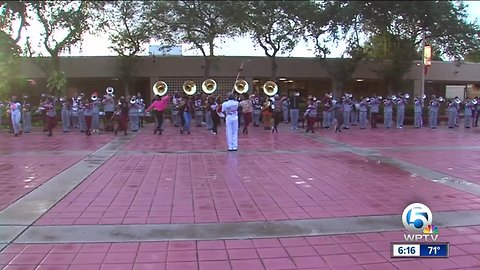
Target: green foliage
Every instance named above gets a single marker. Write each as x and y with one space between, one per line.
57 83
473 56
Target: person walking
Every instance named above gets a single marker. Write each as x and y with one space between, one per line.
230 110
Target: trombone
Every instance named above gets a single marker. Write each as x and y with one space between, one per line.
241 86
160 88
189 88
270 88
209 86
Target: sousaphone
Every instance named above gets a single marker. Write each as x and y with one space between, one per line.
209 86
160 88
270 88
189 88
241 86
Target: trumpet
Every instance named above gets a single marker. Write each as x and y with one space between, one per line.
241 86
109 90
209 86
160 88
457 100
94 97
133 100
189 88
270 88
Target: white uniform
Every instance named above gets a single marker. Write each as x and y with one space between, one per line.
230 109
16 115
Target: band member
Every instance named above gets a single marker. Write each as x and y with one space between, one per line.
2 106
400 102
311 115
267 113
186 110
158 107
240 111
176 116
88 113
457 114
469 107
15 110
338 108
418 111
198 104
81 110
230 110
133 114
96 103
433 112
277 108
354 112
451 110
294 109
327 111
141 109
257 102
215 105
65 115
285 106
49 108
122 113
477 110
208 112
43 100
247 106
388 112
374 108
74 111
347 109
109 109
363 110
27 115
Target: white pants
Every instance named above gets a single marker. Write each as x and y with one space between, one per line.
16 117
232 132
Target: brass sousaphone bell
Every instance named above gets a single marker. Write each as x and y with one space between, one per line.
189 88
241 86
160 88
270 88
109 90
209 86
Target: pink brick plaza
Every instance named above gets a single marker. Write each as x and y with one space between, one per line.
176 179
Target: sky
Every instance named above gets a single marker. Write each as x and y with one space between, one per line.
97 45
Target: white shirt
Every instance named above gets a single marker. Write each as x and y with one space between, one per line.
230 108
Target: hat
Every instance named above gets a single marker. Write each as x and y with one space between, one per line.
231 96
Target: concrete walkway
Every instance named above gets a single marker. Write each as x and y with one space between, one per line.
283 201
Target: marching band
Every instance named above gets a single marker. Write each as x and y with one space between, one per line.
207 109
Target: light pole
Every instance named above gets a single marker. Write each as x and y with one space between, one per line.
422 89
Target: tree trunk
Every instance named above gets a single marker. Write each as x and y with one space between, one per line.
274 67
337 87
127 88
206 67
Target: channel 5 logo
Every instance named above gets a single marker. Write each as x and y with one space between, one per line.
417 218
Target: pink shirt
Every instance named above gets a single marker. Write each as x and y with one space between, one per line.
159 105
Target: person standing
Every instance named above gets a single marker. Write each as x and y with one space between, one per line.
186 109
327 111
401 102
51 114
230 110
469 107
418 111
81 110
198 104
88 114
374 108
311 115
451 110
133 114
247 106
354 112
109 109
477 110
338 108
363 111
16 115
285 106
65 115
176 116
95 113
158 107
267 113
347 108
388 113
122 112
27 115
294 110
277 108
433 112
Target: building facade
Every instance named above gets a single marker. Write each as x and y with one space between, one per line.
310 75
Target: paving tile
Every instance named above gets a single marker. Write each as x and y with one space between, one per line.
278 263
212 255
215 265
253 264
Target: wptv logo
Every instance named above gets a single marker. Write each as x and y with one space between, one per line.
417 218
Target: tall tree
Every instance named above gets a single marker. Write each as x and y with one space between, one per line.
199 23
129 30
275 26
13 17
64 23
399 27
